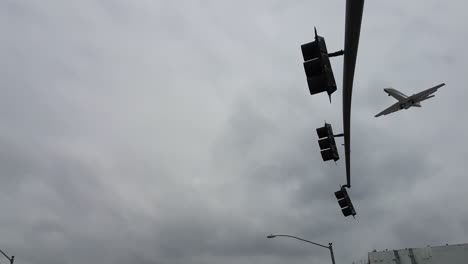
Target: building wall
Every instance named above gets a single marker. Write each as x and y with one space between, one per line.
450 254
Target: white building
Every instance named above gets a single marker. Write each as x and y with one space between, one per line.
449 254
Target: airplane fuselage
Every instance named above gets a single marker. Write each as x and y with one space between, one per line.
408 104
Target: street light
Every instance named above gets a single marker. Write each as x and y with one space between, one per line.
330 247
12 259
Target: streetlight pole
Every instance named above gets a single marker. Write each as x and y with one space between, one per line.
330 245
331 252
12 259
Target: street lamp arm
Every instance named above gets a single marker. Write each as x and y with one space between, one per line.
305 240
6 256
12 259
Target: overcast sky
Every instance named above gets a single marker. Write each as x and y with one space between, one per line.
176 132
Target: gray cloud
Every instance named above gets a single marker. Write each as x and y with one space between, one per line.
163 132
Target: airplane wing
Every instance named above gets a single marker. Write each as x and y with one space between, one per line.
395 107
424 94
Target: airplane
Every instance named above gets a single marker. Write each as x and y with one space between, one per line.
405 102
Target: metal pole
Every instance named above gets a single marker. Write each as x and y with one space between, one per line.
12 259
331 253
308 241
298 238
6 256
353 21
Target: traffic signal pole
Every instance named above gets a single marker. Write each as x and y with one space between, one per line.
354 9
335 54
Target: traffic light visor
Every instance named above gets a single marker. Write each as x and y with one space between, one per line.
340 194
343 203
324 143
348 211
328 155
322 132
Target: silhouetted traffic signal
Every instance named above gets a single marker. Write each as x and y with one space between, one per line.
317 66
327 143
345 202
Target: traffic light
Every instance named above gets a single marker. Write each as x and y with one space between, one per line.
345 202
317 66
327 143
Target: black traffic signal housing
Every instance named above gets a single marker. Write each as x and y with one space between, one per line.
345 203
327 143
317 66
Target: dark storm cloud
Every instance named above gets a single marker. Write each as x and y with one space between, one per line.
163 132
